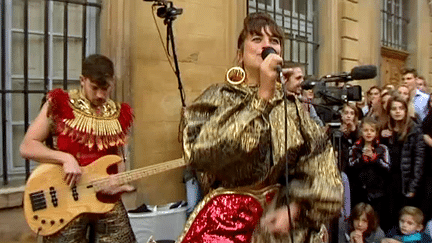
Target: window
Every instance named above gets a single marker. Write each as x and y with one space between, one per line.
298 19
43 45
394 24
268 2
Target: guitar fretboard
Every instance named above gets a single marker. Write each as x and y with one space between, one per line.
129 176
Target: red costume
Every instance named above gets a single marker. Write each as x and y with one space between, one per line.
84 132
88 134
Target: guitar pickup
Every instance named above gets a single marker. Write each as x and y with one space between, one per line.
38 200
53 194
75 193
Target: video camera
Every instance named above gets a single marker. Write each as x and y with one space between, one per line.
334 97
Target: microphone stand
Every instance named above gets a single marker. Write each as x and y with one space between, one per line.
169 13
170 38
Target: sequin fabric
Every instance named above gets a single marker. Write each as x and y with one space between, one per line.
227 215
237 139
235 215
110 227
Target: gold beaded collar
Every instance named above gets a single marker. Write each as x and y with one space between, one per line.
109 110
104 125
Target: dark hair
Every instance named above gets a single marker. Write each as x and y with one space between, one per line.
424 80
371 216
254 23
407 122
99 69
413 71
371 88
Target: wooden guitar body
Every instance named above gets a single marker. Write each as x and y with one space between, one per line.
50 204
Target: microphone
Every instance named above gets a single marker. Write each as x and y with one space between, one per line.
267 51
309 84
364 72
357 73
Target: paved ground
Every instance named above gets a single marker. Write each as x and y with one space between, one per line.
13 227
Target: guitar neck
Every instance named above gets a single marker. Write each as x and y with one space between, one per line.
129 176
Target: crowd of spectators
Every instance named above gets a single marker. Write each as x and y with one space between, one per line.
384 150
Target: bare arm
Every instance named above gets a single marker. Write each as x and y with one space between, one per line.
32 147
428 140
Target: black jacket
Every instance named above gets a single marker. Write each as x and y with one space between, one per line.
368 175
412 157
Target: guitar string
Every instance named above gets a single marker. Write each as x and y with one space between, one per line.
147 170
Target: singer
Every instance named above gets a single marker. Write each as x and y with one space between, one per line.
235 135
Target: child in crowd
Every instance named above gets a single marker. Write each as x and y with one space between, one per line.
369 166
363 226
410 228
404 140
349 131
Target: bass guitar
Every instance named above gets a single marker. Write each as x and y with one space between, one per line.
50 203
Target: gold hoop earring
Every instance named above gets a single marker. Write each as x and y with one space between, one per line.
235 75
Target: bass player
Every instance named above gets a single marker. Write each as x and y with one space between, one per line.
85 125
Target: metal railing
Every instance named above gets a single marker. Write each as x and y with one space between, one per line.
394 24
6 77
298 19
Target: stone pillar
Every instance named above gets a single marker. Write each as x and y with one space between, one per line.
205 37
349 35
329 16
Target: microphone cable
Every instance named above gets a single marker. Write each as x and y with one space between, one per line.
175 69
265 52
285 101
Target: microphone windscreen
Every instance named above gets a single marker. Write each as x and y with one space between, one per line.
364 72
308 84
267 51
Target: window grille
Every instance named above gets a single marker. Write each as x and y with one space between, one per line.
394 24
42 47
298 19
